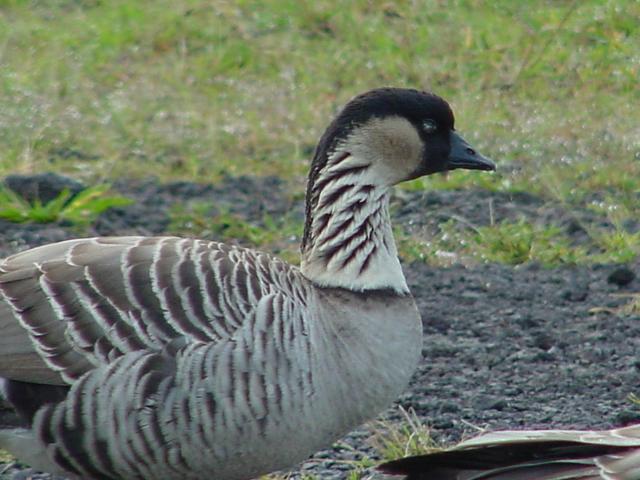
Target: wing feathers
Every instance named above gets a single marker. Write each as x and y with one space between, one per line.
67 307
531 455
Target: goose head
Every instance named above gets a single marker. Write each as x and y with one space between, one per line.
397 135
379 139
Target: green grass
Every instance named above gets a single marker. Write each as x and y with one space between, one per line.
80 210
396 440
197 89
517 242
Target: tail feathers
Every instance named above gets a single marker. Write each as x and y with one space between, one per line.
21 443
531 455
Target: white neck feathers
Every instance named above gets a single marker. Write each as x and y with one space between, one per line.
351 242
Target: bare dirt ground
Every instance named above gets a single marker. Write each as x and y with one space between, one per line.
504 347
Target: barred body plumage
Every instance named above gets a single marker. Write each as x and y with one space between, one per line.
169 358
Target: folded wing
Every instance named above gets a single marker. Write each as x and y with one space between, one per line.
531 455
69 307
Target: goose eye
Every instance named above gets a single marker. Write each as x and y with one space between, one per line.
429 126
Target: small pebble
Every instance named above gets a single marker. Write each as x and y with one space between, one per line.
621 276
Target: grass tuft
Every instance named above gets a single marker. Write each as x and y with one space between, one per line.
518 242
397 440
80 210
6 457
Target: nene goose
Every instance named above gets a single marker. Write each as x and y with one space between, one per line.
531 455
172 358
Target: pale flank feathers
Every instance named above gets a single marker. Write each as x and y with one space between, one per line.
167 358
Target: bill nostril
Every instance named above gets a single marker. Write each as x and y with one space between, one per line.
471 151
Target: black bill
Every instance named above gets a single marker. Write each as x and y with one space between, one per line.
464 156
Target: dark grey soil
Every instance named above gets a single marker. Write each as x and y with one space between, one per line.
504 347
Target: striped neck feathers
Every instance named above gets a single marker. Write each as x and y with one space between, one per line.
348 240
